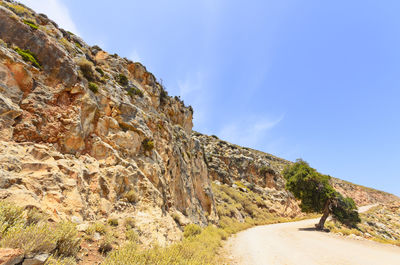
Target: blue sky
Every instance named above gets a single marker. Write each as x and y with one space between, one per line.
312 79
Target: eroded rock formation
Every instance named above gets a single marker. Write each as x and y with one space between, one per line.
76 152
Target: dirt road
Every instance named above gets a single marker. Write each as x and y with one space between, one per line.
298 243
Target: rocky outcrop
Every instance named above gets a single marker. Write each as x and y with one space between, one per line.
9 256
76 152
239 166
363 195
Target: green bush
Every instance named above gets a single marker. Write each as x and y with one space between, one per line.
113 222
191 230
317 194
345 211
122 80
134 91
67 239
148 144
31 24
28 56
131 196
93 87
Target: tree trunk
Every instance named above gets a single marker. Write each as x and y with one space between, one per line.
320 225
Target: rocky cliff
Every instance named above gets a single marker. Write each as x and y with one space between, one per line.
89 135
86 135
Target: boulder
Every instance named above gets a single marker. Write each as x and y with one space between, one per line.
9 256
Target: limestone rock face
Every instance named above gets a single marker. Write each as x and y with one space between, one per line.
9 256
363 195
78 153
234 165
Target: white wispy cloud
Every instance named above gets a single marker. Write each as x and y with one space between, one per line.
249 131
134 56
193 91
55 10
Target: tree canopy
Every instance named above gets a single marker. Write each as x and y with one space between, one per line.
317 194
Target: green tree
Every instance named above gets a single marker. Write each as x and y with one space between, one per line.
317 194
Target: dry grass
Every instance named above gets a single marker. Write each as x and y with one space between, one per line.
129 222
86 68
132 236
191 230
97 227
28 230
131 196
194 250
33 239
380 224
68 240
17 9
52 260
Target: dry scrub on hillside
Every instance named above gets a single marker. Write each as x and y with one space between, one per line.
381 224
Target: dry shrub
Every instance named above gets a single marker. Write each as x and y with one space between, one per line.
132 236
195 250
67 238
131 196
113 222
129 222
97 227
33 239
106 244
10 216
191 230
86 68
35 216
53 260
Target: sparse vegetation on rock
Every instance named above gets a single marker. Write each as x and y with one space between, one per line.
31 24
93 87
122 80
148 144
134 91
29 231
28 56
381 223
113 222
131 196
86 68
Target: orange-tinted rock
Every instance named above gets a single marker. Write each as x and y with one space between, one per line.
9 256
